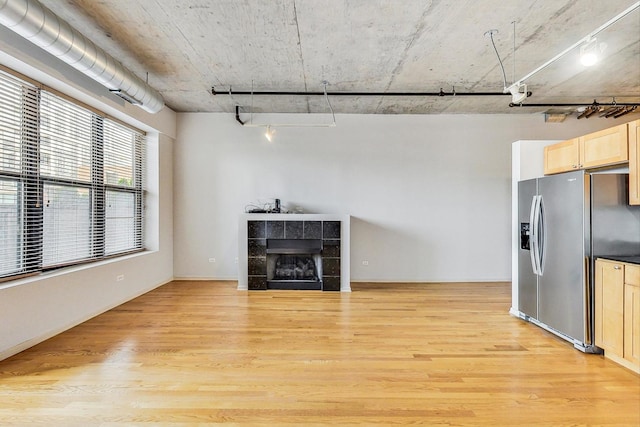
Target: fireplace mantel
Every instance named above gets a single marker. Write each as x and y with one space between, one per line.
275 221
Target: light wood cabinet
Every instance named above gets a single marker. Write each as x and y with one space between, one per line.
606 147
562 157
617 312
632 314
634 163
603 148
609 307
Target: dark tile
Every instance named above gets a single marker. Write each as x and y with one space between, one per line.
257 266
331 283
275 229
293 230
331 230
313 229
257 283
331 248
330 267
256 229
257 247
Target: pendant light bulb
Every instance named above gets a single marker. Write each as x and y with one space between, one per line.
269 133
590 52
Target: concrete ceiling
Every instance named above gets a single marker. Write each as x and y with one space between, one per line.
188 46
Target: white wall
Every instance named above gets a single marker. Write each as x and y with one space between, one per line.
430 196
36 308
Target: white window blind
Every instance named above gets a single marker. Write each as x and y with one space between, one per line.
71 185
67 233
10 227
10 217
123 188
19 177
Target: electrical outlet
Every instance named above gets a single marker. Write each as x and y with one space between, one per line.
119 277
212 260
236 261
365 262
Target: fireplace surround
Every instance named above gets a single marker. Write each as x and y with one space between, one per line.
293 251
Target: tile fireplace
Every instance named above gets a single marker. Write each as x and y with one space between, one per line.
294 251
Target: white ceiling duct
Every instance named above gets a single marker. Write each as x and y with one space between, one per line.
45 29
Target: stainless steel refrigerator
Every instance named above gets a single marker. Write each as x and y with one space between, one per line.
566 221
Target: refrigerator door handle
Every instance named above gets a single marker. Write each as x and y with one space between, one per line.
533 220
541 236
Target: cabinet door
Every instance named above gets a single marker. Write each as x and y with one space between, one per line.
561 157
632 314
609 307
634 163
609 146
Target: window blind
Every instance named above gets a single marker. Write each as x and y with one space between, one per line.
71 186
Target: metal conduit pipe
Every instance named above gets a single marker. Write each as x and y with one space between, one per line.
577 104
42 27
397 94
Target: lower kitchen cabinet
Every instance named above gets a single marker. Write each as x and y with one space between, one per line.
617 312
632 314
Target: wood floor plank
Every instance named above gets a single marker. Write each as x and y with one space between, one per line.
203 353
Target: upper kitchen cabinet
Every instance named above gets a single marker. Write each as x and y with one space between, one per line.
634 163
606 147
603 148
562 157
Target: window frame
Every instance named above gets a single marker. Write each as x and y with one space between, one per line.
31 181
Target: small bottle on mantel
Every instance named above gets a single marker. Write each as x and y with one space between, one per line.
276 209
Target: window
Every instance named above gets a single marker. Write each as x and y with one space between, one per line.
71 187
10 226
66 224
120 221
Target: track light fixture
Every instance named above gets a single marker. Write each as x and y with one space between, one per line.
518 92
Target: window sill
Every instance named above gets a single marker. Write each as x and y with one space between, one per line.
71 269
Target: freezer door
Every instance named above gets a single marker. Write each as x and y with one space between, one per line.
527 280
562 284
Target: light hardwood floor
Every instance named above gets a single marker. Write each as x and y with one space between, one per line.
387 354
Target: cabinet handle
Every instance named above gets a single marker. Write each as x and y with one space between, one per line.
616 267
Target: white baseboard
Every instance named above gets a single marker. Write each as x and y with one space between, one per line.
206 278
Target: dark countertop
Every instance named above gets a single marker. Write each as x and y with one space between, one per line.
623 258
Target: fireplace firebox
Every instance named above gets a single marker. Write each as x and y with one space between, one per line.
294 264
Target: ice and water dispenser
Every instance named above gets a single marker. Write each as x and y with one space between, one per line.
524 236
